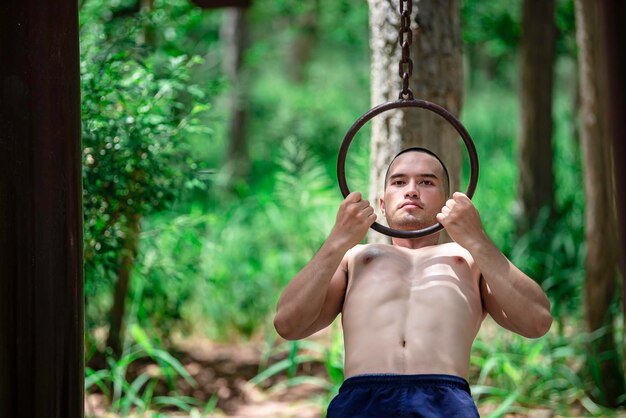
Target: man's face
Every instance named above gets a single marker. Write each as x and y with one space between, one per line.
414 191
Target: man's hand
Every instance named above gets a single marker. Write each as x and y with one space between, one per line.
354 217
462 221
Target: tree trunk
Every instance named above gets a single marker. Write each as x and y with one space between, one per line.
437 77
612 16
115 339
536 180
602 245
149 31
302 44
235 36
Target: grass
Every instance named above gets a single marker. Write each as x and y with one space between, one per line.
517 375
137 394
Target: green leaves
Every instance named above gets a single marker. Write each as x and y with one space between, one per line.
139 109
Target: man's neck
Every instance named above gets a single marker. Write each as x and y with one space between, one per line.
415 243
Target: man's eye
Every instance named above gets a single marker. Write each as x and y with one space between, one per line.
427 182
397 182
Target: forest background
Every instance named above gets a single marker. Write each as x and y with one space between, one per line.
210 143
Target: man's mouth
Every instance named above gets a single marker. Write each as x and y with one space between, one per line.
409 204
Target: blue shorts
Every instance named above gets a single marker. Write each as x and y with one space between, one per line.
400 395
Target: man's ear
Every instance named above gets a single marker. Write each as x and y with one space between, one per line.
381 203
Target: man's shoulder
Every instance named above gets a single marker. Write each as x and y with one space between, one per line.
355 250
361 248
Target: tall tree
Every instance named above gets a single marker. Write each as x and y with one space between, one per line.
437 77
132 227
601 237
235 36
536 179
132 221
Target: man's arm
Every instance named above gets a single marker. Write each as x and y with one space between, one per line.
513 299
314 297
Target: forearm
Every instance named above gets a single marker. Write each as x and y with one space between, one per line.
521 299
302 300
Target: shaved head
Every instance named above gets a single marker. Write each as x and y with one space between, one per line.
446 179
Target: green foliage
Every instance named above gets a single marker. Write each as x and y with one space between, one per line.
317 114
139 106
490 115
168 269
338 24
492 33
219 270
252 246
566 28
553 253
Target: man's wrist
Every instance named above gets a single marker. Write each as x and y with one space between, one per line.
480 246
336 243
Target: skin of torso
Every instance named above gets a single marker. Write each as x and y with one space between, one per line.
410 311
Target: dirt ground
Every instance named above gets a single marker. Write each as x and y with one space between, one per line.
226 369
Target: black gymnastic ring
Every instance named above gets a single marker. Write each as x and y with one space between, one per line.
467 139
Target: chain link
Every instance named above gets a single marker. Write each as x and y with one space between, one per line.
405 39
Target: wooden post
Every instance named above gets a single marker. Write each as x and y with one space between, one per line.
41 272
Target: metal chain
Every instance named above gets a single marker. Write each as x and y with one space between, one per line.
405 39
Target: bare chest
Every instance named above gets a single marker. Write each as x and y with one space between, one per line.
443 275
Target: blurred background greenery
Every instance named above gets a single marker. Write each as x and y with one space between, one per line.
175 246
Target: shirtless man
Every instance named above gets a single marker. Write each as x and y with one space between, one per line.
410 310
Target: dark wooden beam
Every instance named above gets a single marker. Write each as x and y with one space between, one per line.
41 272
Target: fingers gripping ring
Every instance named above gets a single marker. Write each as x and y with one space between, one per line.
469 145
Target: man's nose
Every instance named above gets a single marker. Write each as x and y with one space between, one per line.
411 191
